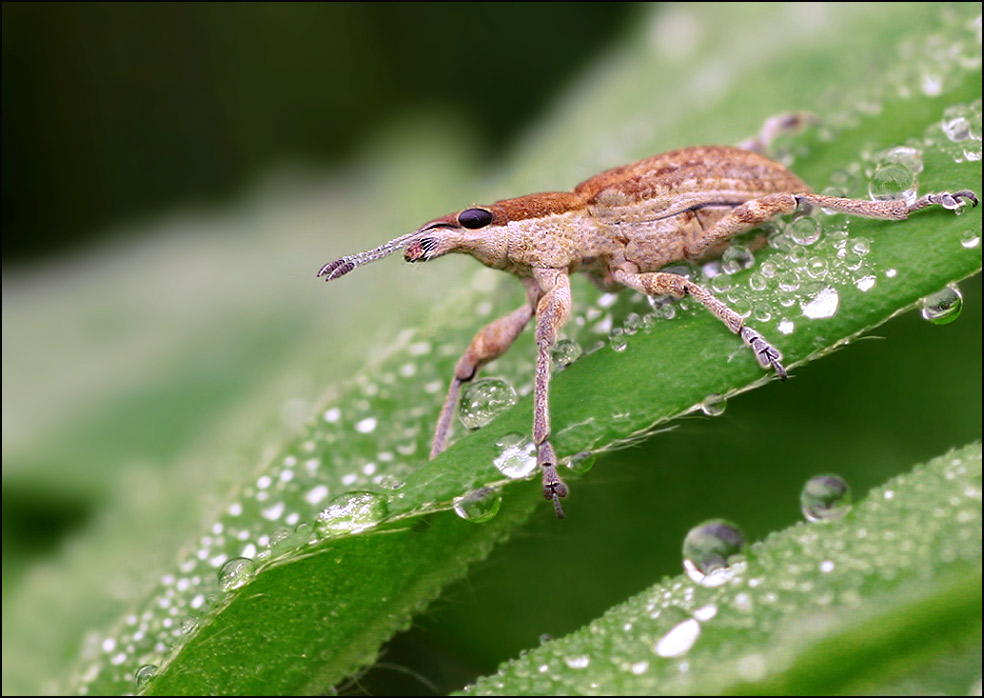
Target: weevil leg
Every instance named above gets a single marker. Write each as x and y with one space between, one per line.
775 126
663 283
491 342
552 311
895 210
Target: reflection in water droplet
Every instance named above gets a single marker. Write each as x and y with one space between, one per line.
892 181
679 640
713 405
145 674
351 512
484 400
566 352
823 305
478 506
517 459
713 552
825 498
236 573
970 240
942 307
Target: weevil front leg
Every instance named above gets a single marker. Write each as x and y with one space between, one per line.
552 311
491 342
664 283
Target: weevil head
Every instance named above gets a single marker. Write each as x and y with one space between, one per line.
477 230
484 232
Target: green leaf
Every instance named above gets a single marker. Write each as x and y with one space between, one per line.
859 605
317 607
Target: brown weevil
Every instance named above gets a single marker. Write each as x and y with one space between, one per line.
620 227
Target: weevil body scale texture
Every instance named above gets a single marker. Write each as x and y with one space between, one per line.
621 228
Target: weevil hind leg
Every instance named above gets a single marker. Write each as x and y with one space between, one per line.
664 283
491 342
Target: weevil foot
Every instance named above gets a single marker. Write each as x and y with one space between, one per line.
554 488
955 201
768 356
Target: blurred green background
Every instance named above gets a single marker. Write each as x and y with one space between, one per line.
174 174
116 112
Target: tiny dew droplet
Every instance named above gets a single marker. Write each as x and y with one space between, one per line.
713 552
714 405
617 340
942 307
351 512
484 400
805 231
825 498
145 674
236 573
478 506
566 352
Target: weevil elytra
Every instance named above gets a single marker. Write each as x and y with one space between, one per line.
620 227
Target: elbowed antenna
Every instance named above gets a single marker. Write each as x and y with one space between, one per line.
341 267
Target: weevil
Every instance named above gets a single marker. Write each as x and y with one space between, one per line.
621 228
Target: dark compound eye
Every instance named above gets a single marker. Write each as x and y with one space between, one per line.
474 218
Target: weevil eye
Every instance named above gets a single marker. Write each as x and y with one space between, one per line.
474 218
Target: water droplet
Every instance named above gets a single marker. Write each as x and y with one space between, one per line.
956 125
581 462
188 625
351 512
566 352
713 552
236 573
825 498
478 506
517 459
679 640
736 258
942 307
484 400
145 674
805 231
970 239
892 181
580 661
714 405
617 340
905 155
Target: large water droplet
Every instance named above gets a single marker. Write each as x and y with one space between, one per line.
566 352
942 307
714 405
517 457
236 573
713 552
478 506
484 400
617 339
351 512
736 258
825 498
891 181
